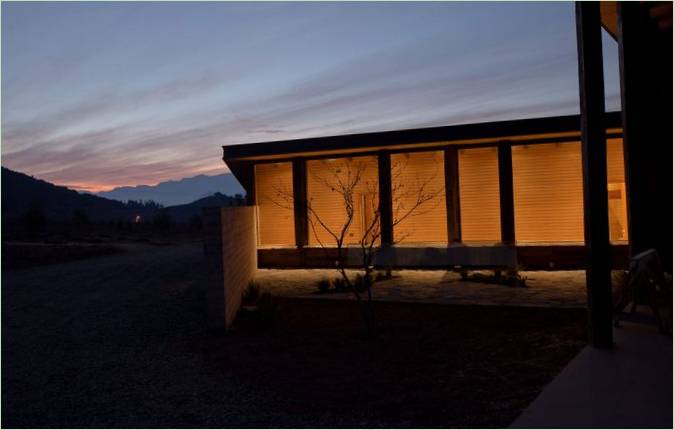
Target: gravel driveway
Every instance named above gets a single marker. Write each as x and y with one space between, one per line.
118 341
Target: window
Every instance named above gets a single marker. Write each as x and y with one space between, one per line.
479 195
327 202
275 216
414 175
548 191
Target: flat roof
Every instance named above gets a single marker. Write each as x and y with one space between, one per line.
520 130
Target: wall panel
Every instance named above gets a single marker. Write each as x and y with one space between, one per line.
275 217
413 175
548 189
325 200
549 192
479 195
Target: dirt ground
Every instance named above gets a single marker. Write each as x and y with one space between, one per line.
548 289
122 341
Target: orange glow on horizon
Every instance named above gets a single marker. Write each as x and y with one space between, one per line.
97 187
89 188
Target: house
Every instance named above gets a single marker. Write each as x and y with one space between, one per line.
498 194
581 191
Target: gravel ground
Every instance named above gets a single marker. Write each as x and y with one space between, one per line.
122 341
118 341
564 289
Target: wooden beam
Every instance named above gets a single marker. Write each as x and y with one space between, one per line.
646 88
595 193
452 200
385 198
300 202
506 196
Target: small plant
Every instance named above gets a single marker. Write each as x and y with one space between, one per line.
324 285
511 277
381 276
359 283
339 284
515 278
465 274
251 294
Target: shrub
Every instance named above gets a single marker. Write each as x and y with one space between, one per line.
380 276
360 283
323 285
511 277
339 284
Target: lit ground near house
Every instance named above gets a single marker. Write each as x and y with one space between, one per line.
548 289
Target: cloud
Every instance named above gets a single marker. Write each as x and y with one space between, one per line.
134 137
26 133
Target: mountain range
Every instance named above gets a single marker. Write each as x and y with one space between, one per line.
178 192
22 193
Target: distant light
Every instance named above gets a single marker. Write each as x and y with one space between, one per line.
138 219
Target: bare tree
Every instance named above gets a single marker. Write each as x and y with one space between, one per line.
348 179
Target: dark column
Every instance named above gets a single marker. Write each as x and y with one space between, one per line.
385 199
300 202
245 172
595 194
506 198
646 95
452 200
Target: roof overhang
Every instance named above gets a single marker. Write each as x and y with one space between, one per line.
517 131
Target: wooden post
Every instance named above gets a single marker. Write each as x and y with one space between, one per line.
646 88
452 200
595 193
506 196
246 173
385 199
300 202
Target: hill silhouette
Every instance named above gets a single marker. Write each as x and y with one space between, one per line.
22 193
185 213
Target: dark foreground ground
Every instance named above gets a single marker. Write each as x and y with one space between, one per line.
122 341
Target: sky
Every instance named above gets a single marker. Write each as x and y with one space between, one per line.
99 95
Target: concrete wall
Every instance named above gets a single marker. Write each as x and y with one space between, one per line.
231 255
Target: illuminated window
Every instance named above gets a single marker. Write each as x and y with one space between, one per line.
325 180
419 177
479 195
275 216
548 191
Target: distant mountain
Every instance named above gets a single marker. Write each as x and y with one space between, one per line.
184 213
178 192
21 193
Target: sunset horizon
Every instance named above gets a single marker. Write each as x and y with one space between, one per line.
100 104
